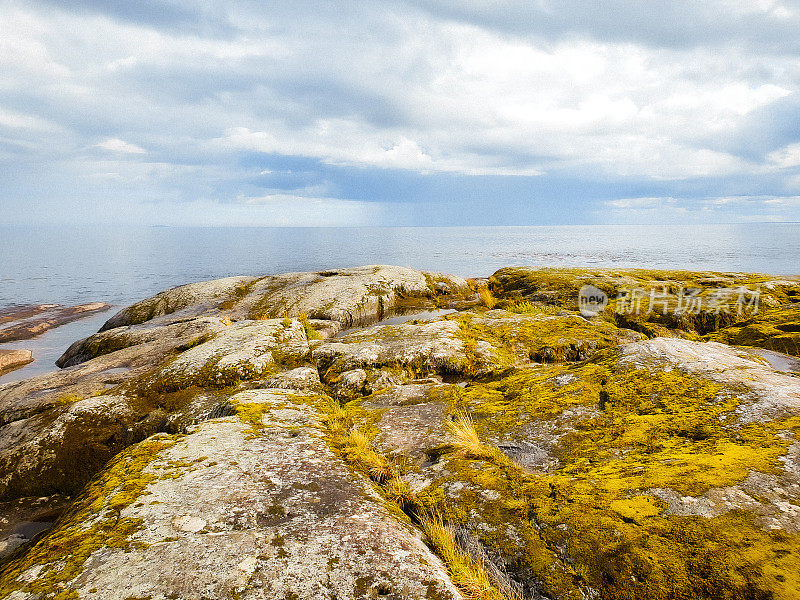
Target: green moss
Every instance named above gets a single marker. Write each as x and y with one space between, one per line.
311 333
239 292
591 522
95 521
559 287
775 329
540 338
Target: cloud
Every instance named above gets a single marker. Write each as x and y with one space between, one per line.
526 102
788 156
120 146
739 209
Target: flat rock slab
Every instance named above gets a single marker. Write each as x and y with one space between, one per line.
26 324
14 359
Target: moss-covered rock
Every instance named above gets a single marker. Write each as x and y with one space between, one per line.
242 351
629 468
655 302
186 300
539 453
775 329
254 506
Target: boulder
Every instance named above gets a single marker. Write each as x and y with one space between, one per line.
348 296
169 337
245 350
411 350
192 300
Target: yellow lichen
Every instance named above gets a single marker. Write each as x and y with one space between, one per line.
94 521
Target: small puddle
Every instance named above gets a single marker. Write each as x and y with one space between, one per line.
778 361
398 319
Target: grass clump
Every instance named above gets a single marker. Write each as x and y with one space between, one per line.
311 333
468 574
466 441
486 298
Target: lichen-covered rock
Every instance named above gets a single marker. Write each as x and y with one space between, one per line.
563 337
539 454
196 297
171 336
413 350
349 296
256 509
245 350
560 286
776 329
59 450
584 469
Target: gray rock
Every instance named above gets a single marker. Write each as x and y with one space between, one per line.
229 512
199 297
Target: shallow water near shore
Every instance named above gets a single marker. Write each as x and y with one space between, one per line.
123 265
118 265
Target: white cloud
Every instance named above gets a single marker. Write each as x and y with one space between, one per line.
788 156
120 146
742 209
401 89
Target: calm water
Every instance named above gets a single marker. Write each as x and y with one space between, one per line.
121 266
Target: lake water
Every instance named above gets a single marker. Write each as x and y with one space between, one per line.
120 266
70 265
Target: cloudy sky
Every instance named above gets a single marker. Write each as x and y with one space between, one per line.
399 113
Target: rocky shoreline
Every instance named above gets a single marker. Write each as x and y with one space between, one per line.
28 321
382 432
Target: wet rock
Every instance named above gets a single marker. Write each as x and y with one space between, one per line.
43 318
14 359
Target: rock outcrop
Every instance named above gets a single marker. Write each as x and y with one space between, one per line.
14 359
26 322
262 438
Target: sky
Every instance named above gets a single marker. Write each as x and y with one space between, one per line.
405 112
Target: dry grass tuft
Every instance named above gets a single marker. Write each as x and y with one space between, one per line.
469 575
486 298
465 439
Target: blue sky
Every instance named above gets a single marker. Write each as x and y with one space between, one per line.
399 113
